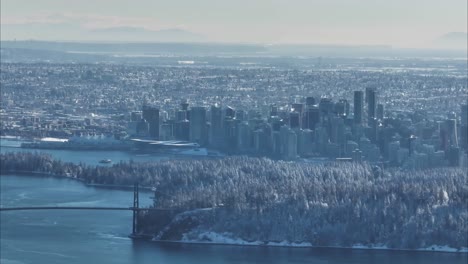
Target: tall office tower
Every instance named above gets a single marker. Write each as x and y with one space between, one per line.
312 117
273 110
337 131
454 156
181 115
151 115
297 107
448 134
464 114
230 127
241 115
356 155
182 130
305 142
291 145
198 125
342 108
216 122
244 136
276 145
230 112
371 104
295 120
326 107
184 106
452 132
135 116
367 95
310 101
380 111
167 131
464 127
276 123
358 106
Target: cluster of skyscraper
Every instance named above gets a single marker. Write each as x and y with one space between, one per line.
312 128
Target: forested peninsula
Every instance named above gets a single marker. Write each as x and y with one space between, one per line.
264 202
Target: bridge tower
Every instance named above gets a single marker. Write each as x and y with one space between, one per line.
135 209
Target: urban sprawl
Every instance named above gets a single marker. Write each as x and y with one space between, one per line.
412 118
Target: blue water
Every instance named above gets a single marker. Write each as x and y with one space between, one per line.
101 236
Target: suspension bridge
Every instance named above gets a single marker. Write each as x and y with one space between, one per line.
135 208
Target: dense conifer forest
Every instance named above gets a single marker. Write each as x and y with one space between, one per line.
258 199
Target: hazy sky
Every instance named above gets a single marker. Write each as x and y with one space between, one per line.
403 23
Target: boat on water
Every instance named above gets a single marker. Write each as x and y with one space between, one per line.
105 161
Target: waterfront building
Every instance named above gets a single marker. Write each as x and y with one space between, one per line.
216 128
198 125
151 115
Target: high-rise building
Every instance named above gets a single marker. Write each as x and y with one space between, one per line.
371 97
166 131
244 136
181 115
464 114
151 115
198 125
358 106
305 142
182 130
297 107
230 112
184 106
452 130
311 118
326 107
216 128
289 139
310 101
273 110
337 131
295 120
464 127
135 116
230 128
342 108
380 111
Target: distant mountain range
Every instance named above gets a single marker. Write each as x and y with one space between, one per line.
142 34
452 40
176 42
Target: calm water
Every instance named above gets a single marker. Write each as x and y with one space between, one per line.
101 237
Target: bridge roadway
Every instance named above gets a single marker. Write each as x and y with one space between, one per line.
79 208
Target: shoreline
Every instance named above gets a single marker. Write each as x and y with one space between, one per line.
240 242
97 185
435 249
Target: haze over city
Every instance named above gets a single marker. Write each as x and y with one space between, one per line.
397 23
242 131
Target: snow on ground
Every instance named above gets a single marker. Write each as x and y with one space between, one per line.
228 239
443 249
289 244
377 246
215 238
